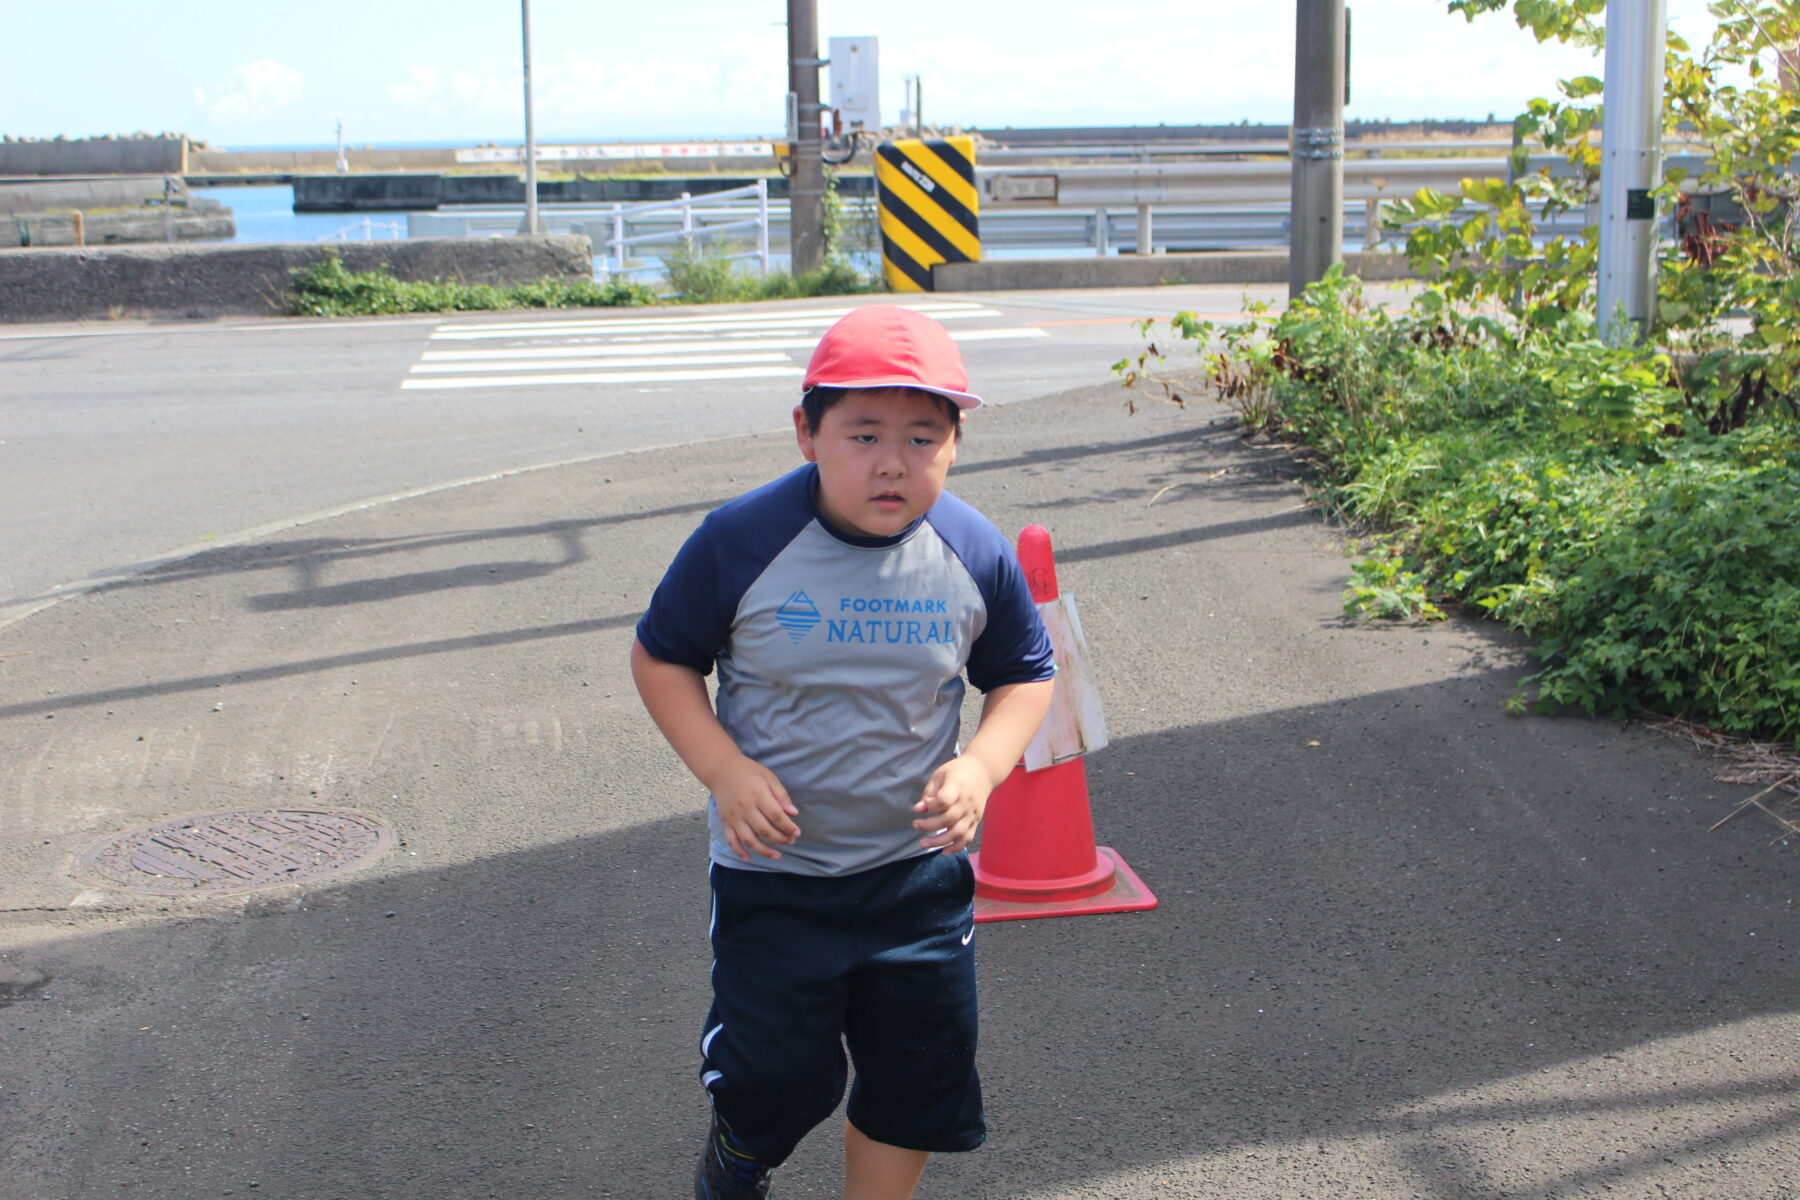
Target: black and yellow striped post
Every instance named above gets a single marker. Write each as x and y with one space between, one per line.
926 194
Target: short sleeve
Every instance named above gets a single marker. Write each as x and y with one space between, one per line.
1014 647
693 609
687 622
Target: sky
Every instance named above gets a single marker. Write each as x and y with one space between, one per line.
247 73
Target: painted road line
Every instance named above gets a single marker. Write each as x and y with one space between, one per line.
601 364
608 377
715 346
994 335
829 314
560 328
711 348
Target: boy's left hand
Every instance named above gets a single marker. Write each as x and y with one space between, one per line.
954 801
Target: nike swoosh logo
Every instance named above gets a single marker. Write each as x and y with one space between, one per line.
969 936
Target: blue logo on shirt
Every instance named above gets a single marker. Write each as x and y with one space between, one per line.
798 616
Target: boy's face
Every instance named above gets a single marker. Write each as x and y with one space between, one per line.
883 454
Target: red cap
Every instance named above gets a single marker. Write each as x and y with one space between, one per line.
884 345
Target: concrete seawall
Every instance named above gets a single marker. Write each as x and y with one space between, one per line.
136 226
166 154
53 195
375 192
95 283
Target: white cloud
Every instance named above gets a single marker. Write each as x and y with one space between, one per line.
420 90
662 94
257 91
487 93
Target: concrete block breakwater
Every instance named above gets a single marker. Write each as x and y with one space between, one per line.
94 283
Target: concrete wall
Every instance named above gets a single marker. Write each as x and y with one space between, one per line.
424 191
96 156
213 224
367 193
1131 270
322 162
52 195
251 280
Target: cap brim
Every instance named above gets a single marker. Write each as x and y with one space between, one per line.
962 400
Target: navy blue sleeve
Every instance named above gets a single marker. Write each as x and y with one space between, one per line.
692 610
1013 646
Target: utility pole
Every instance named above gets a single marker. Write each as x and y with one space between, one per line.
1630 166
1316 143
531 203
806 185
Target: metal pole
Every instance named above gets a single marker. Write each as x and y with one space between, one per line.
531 199
762 225
1316 143
1630 166
806 187
1143 232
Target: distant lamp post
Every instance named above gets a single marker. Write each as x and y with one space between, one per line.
531 197
343 164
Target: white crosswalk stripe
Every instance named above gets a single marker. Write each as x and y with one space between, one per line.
624 350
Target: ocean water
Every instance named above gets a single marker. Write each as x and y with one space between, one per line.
265 213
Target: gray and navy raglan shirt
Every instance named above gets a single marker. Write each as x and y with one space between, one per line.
841 658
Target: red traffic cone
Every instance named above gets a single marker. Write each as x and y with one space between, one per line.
1037 856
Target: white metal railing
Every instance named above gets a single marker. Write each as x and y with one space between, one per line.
612 254
367 229
616 229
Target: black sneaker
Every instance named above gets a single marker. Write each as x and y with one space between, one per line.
725 1173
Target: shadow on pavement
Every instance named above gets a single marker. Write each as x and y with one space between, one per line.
1407 946
1502 969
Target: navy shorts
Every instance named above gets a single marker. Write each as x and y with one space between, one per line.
881 961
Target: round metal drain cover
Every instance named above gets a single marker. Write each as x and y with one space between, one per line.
238 851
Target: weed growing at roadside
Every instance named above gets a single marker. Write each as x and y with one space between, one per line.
328 289
1567 488
707 274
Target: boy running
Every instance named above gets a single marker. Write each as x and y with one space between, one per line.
842 605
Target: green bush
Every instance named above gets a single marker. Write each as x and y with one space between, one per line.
1559 485
707 274
328 289
1631 506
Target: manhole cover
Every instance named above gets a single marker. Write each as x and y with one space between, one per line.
238 851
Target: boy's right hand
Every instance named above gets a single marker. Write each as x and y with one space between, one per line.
754 809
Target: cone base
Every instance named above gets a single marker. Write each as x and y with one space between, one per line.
1127 894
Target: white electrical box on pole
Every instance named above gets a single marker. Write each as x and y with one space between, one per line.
1630 166
855 83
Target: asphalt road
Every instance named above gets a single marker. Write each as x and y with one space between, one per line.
121 444
1406 946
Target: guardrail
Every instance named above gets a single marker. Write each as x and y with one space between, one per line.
616 228
1136 208
367 230
1148 151
1152 187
